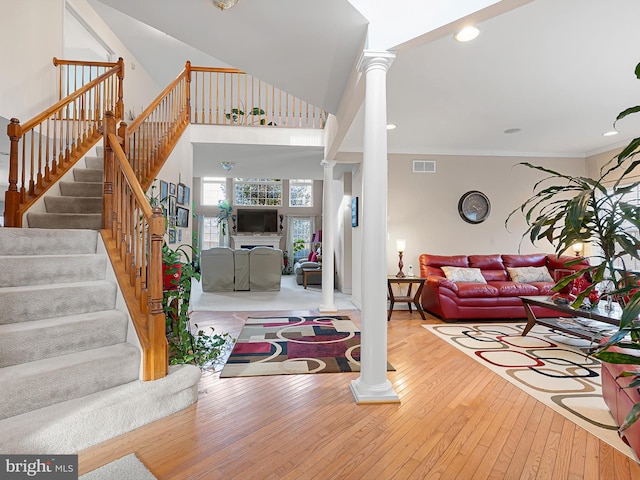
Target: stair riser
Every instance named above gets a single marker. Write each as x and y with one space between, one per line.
87 175
81 189
88 221
73 204
28 387
94 163
24 304
31 241
60 336
46 269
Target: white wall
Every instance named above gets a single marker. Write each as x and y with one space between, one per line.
179 169
32 36
423 208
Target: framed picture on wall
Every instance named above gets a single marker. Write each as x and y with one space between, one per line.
172 205
354 212
164 191
183 217
187 196
179 234
172 235
180 194
172 189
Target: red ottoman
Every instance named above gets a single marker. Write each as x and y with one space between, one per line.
620 400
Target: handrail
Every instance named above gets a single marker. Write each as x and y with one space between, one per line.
151 137
227 96
134 234
44 148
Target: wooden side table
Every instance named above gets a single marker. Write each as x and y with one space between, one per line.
415 299
309 271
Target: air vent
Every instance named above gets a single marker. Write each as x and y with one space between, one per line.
424 166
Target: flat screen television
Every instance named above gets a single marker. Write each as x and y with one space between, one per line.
254 221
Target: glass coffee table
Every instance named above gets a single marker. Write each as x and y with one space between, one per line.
590 324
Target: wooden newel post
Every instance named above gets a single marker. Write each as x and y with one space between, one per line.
11 196
159 357
108 212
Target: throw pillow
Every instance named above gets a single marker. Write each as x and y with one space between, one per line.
529 274
460 274
314 257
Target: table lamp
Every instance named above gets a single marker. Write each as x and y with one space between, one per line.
400 246
577 248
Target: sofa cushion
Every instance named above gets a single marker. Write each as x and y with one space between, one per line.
486 262
529 260
529 274
476 290
459 274
430 264
514 289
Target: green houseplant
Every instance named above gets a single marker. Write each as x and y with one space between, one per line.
565 209
201 348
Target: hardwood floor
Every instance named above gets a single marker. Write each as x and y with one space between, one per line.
456 420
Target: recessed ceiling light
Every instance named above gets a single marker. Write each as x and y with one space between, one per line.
392 126
610 133
467 34
512 130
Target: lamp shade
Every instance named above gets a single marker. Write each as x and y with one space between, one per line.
317 237
401 245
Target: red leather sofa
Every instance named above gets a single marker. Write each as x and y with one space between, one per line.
496 299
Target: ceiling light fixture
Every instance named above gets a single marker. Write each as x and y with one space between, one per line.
467 34
610 133
227 165
392 126
224 4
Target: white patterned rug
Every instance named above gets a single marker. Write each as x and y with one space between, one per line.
547 364
124 468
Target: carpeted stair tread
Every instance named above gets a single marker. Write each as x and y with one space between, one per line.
52 337
87 175
74 425
94 162
33 241
19 270
81 189
91 221
35 302
33 385
68 204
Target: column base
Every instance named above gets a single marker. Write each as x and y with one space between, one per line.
383 393
327 309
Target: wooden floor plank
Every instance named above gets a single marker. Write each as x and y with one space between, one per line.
456 419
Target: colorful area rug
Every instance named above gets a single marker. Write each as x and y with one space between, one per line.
547 364
295 345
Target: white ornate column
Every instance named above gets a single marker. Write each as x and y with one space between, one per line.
373 386
328 233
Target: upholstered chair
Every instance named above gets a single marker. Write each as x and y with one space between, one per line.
217 269
265 269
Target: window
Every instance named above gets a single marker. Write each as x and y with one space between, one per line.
210 233
632 197
301 193
214 190
257 191
300 228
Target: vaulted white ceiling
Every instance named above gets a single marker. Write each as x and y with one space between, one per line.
559 71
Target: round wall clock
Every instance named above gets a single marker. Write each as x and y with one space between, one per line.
474 207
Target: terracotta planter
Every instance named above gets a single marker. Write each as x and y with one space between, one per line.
171 276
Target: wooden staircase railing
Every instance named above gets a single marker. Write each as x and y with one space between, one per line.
47 146
75 74
134 234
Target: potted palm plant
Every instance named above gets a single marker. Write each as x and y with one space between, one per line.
564 210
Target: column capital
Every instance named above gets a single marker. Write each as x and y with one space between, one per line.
371 59
328 163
